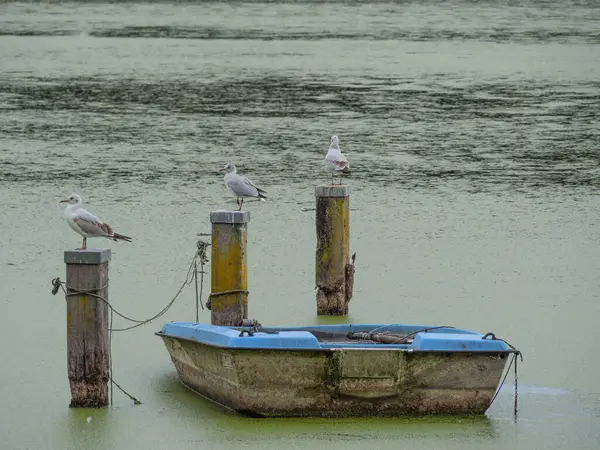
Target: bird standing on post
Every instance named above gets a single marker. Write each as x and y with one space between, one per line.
86 224
240 186
336 161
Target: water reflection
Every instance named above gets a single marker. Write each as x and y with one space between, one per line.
86 426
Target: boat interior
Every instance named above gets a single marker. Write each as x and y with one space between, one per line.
363 334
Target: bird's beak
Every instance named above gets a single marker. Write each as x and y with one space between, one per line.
222 169
64 201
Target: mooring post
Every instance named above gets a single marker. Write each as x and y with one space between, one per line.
87 326
229 277
334 271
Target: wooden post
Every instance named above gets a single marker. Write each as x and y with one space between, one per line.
229 277
87 326
334 271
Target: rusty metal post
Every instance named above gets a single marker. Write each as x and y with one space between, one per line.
87 326
334 271
229 277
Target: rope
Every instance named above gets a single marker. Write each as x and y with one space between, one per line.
516 354
231 291
196 285
220 294
110 367
92 292
192 275
199 256
58 284
503 380
135 400
71 291
424 330
516 411
494 338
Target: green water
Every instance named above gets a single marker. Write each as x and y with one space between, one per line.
472 130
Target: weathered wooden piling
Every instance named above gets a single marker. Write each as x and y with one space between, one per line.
229 277
334 271
87 326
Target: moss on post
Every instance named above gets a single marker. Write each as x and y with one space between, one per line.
229 276
334 271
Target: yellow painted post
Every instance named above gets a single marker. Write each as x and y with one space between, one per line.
229 276
87 326
334 271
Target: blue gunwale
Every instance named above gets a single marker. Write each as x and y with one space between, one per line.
301 338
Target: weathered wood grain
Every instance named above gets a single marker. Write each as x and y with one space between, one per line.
334 273
87 335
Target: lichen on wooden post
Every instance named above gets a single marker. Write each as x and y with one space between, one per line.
334 271
229 278
87 327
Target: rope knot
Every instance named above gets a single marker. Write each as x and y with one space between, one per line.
202 247
56 283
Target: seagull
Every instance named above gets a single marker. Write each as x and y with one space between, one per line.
241 186
336 161
87 224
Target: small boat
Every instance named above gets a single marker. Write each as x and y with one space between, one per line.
355 370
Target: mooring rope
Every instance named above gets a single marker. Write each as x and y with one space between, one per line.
404 337
200 257
219 294
110 359
192 274
516 410
516 354
92 292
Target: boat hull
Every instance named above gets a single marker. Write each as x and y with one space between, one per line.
338 382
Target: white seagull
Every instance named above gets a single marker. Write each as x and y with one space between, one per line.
336 161
86 224
241 186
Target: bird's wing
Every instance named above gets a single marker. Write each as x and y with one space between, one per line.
239 186
338 160
91 225
247 181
